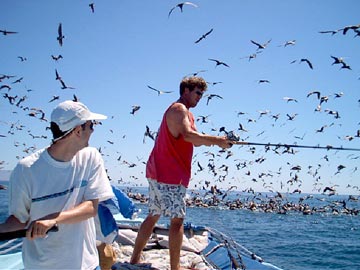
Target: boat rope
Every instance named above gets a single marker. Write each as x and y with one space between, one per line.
5 251
207 259
8 243
208 262
214 249
235 264
236 245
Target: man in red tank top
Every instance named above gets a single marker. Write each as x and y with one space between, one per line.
169 168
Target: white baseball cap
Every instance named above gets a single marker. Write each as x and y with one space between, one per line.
69 114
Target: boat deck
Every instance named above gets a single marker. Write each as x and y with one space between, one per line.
156 253
203 248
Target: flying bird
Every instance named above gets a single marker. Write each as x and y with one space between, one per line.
149 133
212 96
64 86
11 99
324 99
5 86
340 167
5 32
203 118
344 65
330 189
54 98
91 5
338 95
2 77
60 36
241 128
357 33
317 93
18 80
75 98
22 59
337 60
291 117
347 28
307 61
320 130
288 99
196 73
226 192
332 112
261 46
135 108
57 76
56 58
251 56
332 32
289 42
263 81
213 83
180 6
160 92
218 63
204 35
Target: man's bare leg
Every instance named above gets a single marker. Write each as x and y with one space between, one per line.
175 242
143 236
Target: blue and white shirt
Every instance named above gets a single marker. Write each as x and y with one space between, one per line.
40 185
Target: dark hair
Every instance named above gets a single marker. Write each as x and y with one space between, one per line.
191 83
56 131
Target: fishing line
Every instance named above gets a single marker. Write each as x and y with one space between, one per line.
236 140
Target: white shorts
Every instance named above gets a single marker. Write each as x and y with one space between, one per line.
167 200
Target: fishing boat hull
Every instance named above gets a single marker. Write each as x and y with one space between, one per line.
203 248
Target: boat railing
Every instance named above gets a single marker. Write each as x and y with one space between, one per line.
9 246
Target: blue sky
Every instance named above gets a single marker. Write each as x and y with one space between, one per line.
112 55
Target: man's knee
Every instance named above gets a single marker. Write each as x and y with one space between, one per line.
176 222
107 256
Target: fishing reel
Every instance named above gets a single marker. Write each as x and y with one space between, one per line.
232 136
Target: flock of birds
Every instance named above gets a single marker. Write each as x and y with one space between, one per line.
218 173
277 203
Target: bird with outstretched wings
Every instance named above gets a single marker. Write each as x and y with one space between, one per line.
180 6
204 35
160 92
60 36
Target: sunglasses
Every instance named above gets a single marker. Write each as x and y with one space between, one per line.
91 126
199 93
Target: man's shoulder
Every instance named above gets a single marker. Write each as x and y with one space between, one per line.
30 159
177 108
89 150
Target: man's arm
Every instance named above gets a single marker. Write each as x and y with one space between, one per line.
11 224
79 213
179 124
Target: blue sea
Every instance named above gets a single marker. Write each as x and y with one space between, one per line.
290 241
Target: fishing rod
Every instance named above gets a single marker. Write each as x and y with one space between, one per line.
236 140
328 147
21 233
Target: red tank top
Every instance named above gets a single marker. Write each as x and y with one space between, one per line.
170 159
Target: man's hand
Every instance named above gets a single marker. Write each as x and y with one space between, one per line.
39 228
225 142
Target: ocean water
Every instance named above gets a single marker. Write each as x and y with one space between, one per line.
293 241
